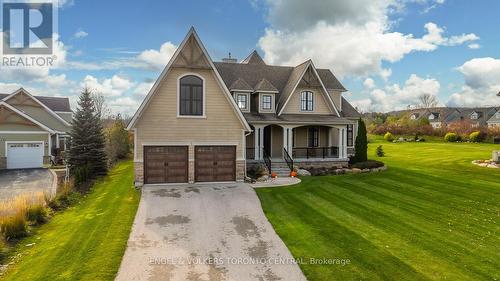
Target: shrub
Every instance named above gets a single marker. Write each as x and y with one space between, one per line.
37 214
64 200
380 151
477 136
257 171
82 174
451 137
14 227
388 137
369 164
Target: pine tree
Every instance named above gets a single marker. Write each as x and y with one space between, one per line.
87 156
361 145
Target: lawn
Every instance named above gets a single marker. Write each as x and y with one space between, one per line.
87 241
431 216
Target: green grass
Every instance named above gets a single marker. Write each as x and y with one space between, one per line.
432 216
87 241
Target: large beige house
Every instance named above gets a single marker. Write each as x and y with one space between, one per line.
206 121
32 129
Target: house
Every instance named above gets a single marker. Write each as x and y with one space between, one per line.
206 121
494 121
478 117
442 116
32 129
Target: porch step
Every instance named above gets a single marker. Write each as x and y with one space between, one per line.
280 168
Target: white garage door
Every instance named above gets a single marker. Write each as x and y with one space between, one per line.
24 155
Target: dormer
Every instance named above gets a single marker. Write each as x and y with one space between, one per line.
434 116
241 92
414 116
475 115
265 93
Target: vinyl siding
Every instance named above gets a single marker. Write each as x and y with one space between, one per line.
320 104
66 116
42 116
22 137
159 122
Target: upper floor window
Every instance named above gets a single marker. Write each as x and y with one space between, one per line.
306 101
242 101
267 102
191 96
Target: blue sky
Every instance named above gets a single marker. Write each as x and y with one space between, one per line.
386 52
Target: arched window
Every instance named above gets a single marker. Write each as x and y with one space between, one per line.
191 96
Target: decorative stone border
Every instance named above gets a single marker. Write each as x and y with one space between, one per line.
486 163
343 171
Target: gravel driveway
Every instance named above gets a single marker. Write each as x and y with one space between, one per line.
205 232
25 181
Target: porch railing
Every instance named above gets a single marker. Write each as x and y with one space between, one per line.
267 161
316 152
288 159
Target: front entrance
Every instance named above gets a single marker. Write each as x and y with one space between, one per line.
215 163
165 164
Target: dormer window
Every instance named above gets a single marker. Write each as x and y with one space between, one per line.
431 117
306 101
474 116
267 102
191 96
242 101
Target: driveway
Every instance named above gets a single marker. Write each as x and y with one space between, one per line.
25 181
205 232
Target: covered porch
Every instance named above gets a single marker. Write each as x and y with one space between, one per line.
300 143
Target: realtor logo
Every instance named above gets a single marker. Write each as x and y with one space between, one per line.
28 27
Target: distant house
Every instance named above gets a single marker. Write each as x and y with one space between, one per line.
494 121
477 116
33 129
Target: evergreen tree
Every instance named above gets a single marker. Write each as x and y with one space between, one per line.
87 156
361 145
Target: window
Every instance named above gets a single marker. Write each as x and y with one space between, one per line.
242 101
474 116
350 135
313 137
267 102
306 101
191 96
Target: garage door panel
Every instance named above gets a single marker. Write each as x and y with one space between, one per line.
165 164
24 155
215 163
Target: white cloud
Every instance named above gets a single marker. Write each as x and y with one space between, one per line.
123 105
110 87
350 37
158 59
369 83
8 88
143 89
80 34
53 81
394 97
474 46
482 83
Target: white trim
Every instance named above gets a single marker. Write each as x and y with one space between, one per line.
313 103
238 90
266 92
247 109
27 117
325 91
9 142
203 115
294 87
57 141
23 132
273 103
135 144
221 83
71 112
50 111
50 144
214 143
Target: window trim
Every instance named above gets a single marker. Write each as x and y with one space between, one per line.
261 103
318 129
204 101
307 101
247 108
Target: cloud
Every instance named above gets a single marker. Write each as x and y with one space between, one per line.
369 83
110 87
143 89
474 46
350 37
395 97
8 88
54 81
123 105
482 83
80 34
158 59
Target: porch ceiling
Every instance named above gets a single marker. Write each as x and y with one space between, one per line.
255 118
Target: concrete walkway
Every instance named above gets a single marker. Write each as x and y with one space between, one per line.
205 232
276 182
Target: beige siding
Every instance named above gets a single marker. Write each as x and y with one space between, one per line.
159 122
66 116
19 127
22 137
336 97
42 116
320 104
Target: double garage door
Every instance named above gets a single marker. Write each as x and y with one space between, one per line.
25 155
170 164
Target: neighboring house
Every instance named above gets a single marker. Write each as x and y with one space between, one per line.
205 121
477 116
441 117
494 121
32 129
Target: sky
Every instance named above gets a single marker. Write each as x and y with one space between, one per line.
387 53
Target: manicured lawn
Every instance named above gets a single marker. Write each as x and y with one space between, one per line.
87 241
431 216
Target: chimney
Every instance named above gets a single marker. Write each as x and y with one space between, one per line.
230 59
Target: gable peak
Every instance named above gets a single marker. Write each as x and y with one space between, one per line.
254 58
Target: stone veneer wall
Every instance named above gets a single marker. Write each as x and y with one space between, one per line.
139 173
321 164
3 163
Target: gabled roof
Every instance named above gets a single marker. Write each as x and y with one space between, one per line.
265 86
254 58
39 101
24 115
240 85
495 118
57 104
191 34
348 110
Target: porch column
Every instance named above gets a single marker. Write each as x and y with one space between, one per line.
259 142
343 142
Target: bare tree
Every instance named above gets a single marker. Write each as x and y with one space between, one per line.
428 101
101 106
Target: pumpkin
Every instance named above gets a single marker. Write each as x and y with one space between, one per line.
274 175
293 174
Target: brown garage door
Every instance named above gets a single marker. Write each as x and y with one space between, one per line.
215 163
165 164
